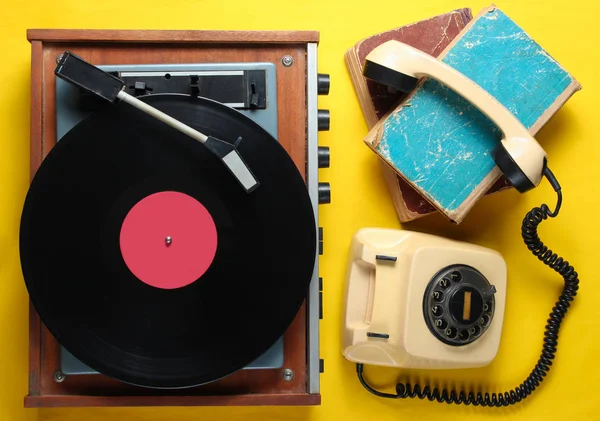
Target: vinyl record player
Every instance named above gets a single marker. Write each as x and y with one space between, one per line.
269 78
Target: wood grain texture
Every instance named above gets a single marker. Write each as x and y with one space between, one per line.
37 92
440 143
245 387
289 399
35 351
166 36
35 140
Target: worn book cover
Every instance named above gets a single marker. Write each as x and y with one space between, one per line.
439 143
432 36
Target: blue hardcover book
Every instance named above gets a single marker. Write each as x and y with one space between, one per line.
440 143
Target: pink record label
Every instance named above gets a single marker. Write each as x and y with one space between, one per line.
168 240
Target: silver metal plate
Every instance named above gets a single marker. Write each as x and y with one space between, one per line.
312 175
68 114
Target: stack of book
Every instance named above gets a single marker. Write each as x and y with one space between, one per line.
434 146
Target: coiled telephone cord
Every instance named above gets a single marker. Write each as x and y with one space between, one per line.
529 385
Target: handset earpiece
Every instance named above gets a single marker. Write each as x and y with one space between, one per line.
521 161
519 156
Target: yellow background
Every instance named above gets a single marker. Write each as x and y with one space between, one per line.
568 30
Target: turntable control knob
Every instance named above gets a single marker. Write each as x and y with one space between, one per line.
323 156
324 193
323 84
323 120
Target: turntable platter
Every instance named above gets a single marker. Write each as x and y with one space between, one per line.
146 259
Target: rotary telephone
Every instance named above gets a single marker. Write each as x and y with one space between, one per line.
415 300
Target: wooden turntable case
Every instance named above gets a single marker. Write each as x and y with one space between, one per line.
100 47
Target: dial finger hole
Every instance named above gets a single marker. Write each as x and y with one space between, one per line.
474 330
437 311
444 283
487 307
451 332
456 276
441 324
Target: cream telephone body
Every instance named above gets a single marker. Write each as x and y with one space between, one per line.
419 301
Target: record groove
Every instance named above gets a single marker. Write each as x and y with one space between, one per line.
124 328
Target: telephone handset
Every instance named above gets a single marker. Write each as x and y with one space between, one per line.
518 155
420 301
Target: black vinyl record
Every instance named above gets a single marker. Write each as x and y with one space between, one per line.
72 244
